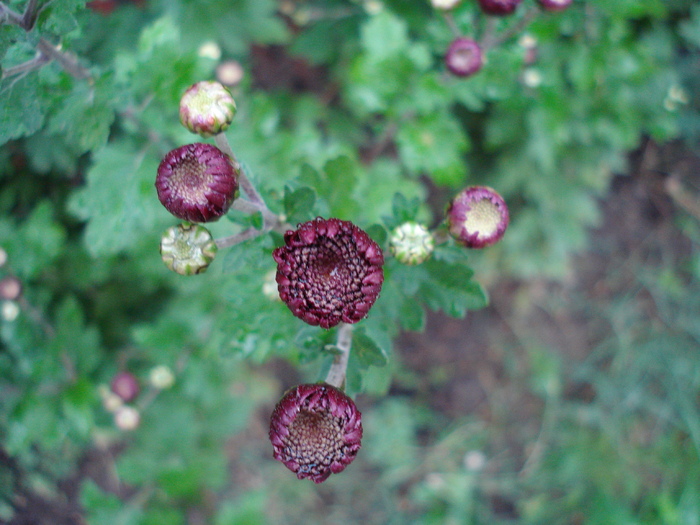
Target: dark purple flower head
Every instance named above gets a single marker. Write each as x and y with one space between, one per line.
499 7
126 386
464 57
329 271
197 182
316 431
554 5
478 217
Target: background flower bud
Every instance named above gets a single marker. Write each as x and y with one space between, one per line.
464 57
126 386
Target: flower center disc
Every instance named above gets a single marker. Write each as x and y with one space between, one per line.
315 438
483 217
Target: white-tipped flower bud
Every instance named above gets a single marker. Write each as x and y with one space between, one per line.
188 249
127 418
207 108
411 243
161 377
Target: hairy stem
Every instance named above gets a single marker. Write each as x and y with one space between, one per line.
339 368
250 233
68 62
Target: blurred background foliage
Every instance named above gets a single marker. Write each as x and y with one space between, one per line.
586 364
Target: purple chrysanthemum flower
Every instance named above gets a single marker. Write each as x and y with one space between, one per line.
316 431
554 5
478 217
197 182
499 7
329 271
464 57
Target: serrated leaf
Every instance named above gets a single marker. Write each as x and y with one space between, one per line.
33 244
58 16
85 115
367 351
119 201
434 144
21 111
299 204
247 256
378 234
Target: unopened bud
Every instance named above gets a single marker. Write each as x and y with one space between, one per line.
127 418
10 288
161 377
188 249
411 243
207 108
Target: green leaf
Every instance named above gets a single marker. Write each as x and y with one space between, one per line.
367 351
434 144
299 204
119 201
21 108
450 288
34 244
86 115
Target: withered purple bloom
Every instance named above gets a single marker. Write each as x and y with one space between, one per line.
316 431
478 217
197 182
329 271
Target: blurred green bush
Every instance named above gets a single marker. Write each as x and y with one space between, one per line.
350 98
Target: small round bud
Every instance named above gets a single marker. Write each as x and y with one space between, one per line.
207 108
10 288
411 243
499 7
316 431
464 57
127 418
112 402
197 182
532 78
161 377
230 72
554 5
10 310
478 217
209 50
187 249
126 386
445 5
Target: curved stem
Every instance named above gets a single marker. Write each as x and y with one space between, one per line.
490 41
250 233
246 185
68 62
339 368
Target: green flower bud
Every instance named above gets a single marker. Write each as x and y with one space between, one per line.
207 108
187 249
411 243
